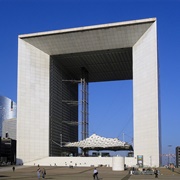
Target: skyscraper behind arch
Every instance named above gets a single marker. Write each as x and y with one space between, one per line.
8 110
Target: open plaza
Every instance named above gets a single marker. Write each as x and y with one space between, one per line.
80 173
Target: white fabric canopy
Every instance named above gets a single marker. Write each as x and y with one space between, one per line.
100 143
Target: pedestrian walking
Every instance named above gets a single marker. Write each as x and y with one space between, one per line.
13 168
95 173
156 173
43 173
39 173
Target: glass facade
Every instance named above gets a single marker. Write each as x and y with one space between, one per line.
63 116
178 156
8 110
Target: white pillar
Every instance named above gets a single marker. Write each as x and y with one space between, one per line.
118 163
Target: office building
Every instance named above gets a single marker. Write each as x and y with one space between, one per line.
9 128
8 110
8 151
178 156
48 62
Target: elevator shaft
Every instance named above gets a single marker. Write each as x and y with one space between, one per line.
84 108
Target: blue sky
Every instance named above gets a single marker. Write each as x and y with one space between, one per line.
110 101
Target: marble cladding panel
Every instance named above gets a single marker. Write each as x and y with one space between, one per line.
33 103
145 94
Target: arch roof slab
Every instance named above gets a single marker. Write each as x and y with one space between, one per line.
104 50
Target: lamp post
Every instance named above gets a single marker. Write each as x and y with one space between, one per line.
169 146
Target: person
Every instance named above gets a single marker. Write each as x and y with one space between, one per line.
43 173
172 167
156 173
13 168
39 173
133 169
95 173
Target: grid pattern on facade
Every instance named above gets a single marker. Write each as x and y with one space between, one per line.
62 113
178 156
105 65
7 110
9 127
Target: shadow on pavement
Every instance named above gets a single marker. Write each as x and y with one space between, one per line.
126 177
